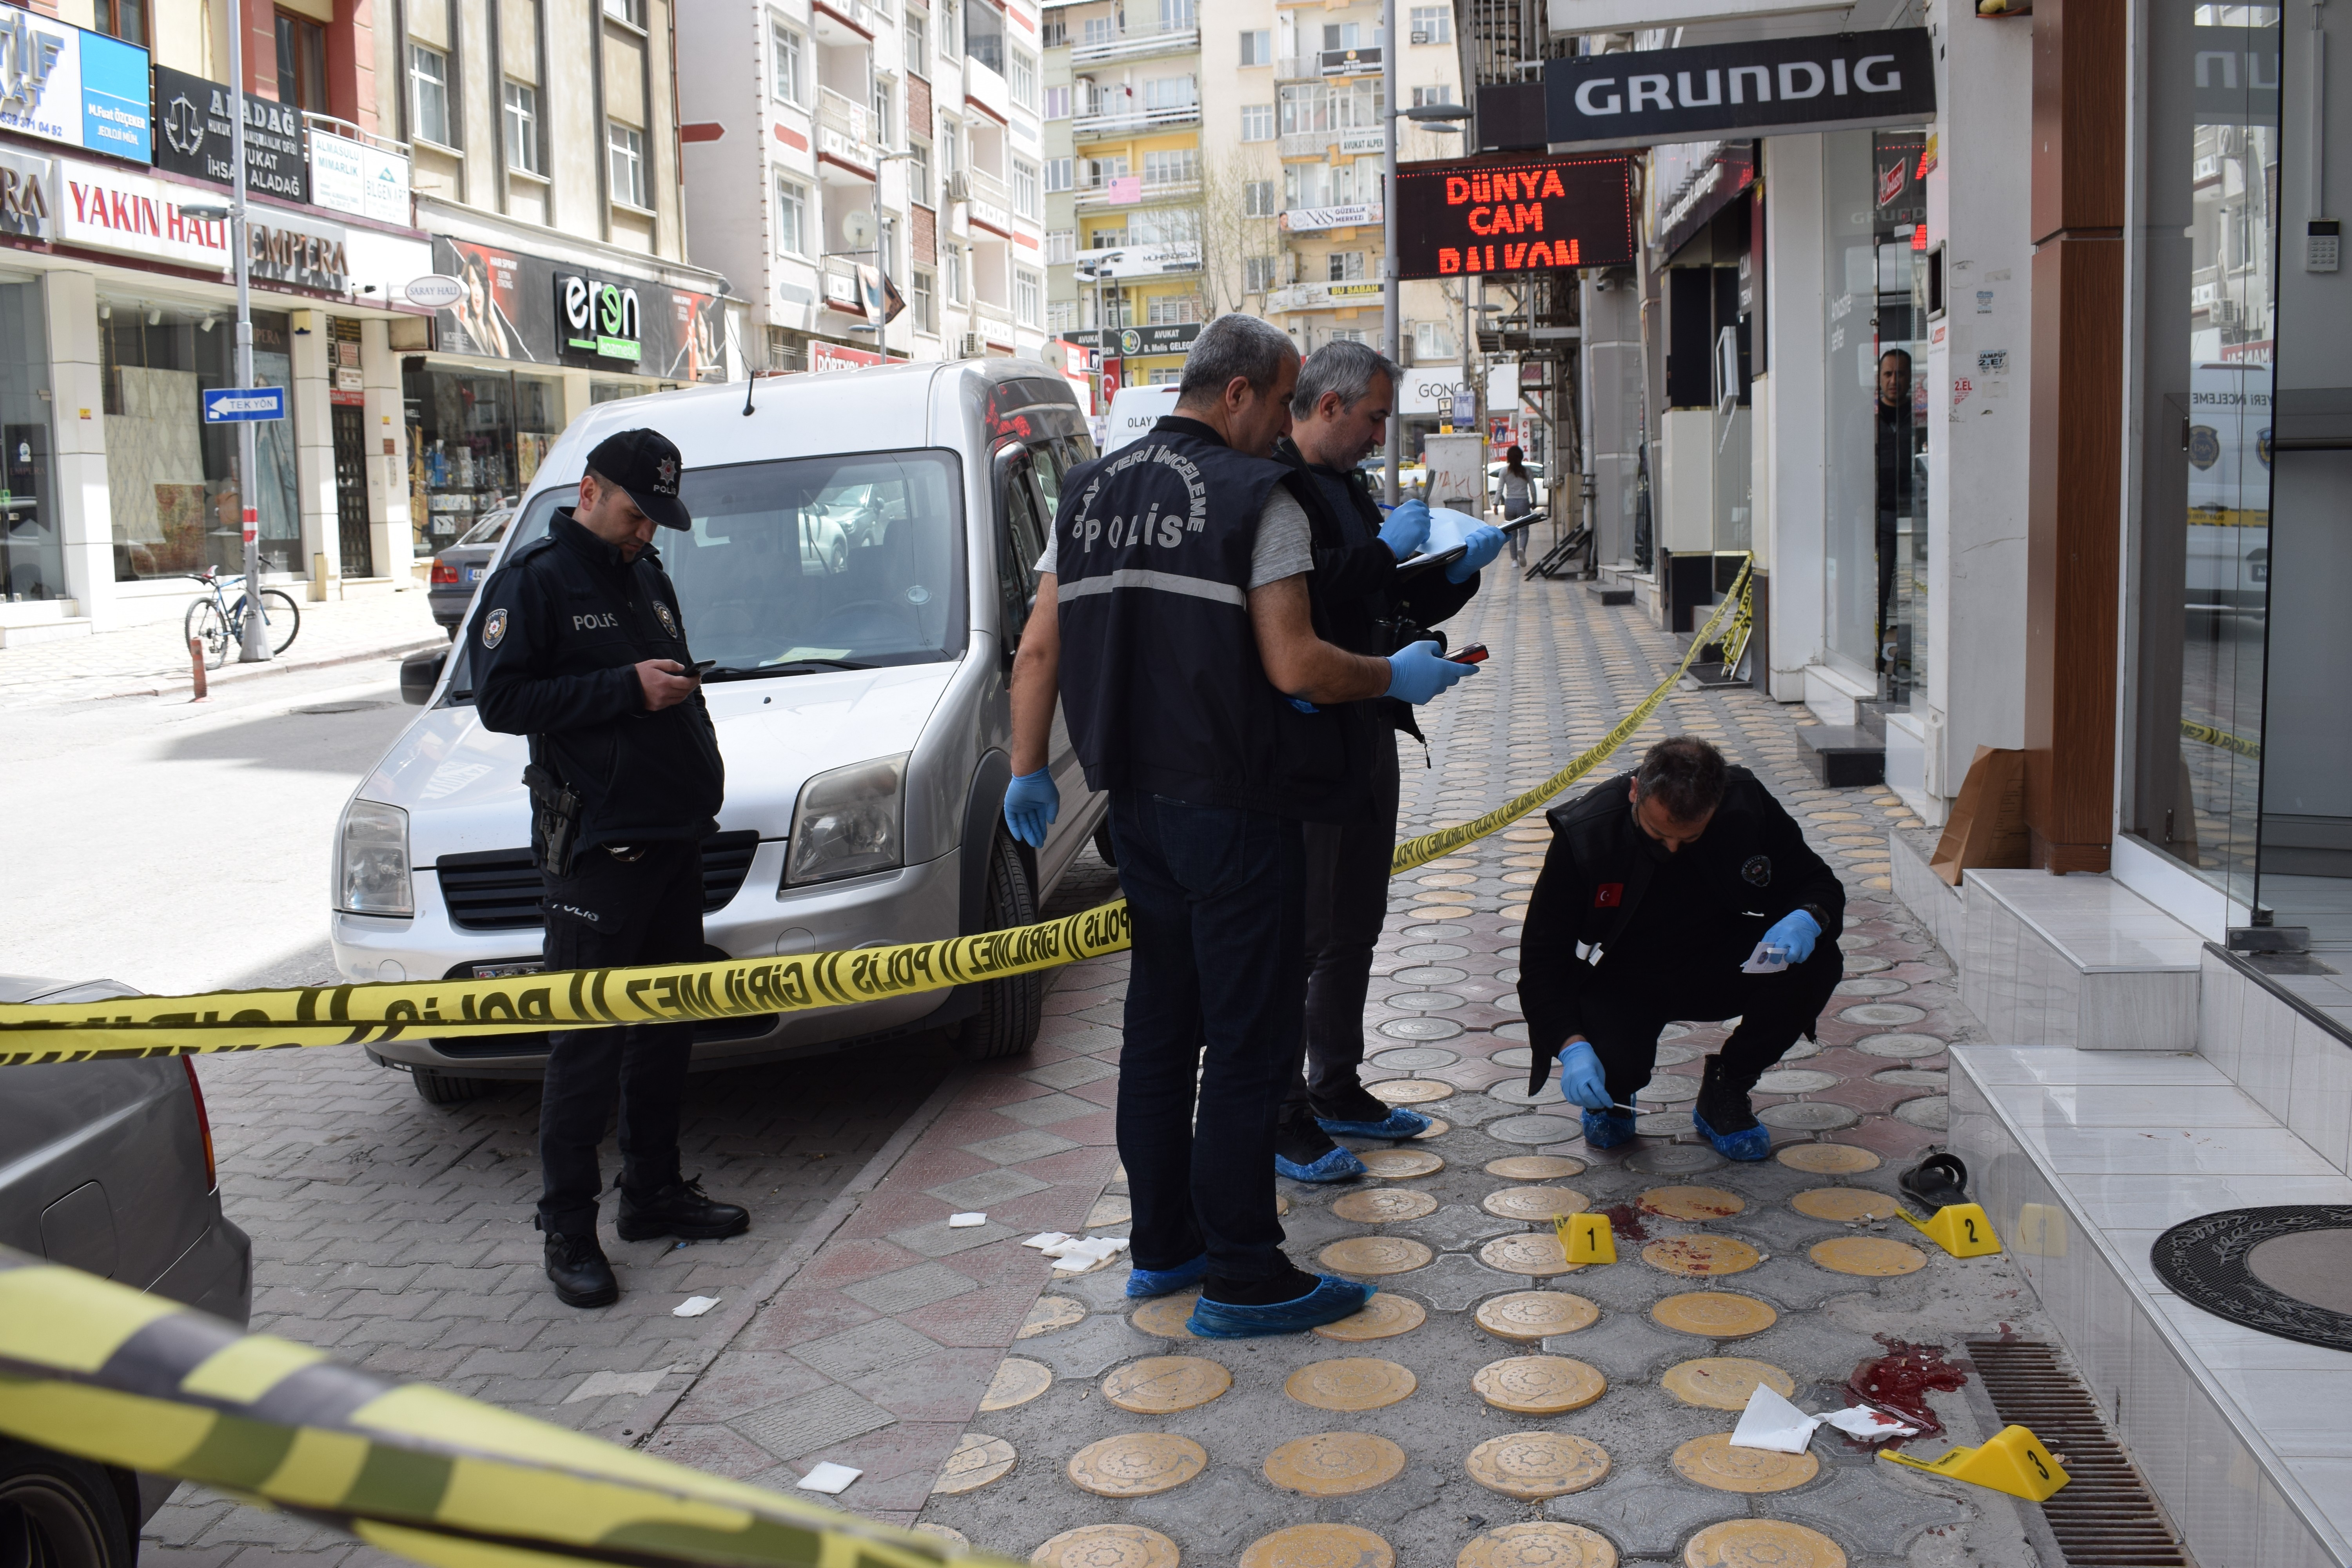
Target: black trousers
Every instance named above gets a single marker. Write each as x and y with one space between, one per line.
1625 1013
1888 541
1346 905
608 913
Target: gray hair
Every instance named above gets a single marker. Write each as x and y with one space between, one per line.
1233 345
1344 367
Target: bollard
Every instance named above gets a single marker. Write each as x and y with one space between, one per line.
196 658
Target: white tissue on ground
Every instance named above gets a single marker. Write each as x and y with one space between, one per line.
825 1476
694 1306
965 1221
1076 1253
1769 1422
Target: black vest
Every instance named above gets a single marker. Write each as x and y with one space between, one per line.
1160 682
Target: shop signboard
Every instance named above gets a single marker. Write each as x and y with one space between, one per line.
359 178
597 320
63 84
1324 297
1514 213
1307 220
1137 341
103 208
1428 389
513 305
1763 87
283 248
835 356
195 136
25 196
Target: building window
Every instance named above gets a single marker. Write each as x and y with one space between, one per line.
627 146
522 127
919 174
983 35
1054 34
922 304
1178 166
1344 336
784 61
428 75
1344 267
1061 247
1171 309
1061 315
1173 377
1423 96
1257 123
301 62
1257 47
632 12
1057 173
1433 24
791 218
950 32
953 258
1057 103
1028 299
1100 30
1432 344
1023 79
1257 274
124 19
1170 93
1025 188
885 122
1331 106
1257 198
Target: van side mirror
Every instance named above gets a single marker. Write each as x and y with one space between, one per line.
420 673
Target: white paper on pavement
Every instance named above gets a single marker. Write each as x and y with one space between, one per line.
1871 1426
1076 1253
1766 959
825 1476
965 1221
694 1306
1771 1422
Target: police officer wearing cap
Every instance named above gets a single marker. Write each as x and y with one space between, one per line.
580 645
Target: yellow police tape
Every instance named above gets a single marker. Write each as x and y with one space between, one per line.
587 998
109 1375
2221 738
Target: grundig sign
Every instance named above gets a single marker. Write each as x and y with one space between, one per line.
1513 215
1772 87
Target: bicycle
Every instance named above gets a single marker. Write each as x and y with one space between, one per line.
220 626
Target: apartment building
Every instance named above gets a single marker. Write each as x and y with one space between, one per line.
891 150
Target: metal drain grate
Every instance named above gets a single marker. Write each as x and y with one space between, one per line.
2104 1517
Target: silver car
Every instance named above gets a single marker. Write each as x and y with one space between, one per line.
108 1167
860 567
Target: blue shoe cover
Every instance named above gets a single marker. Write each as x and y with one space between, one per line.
1606 1130
1398 1124
1756 1144
1331 1299
1338 1165
1146 1282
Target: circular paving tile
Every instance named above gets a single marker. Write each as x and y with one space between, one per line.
1136 1464
1539 1384
1848 1205
1532 1466
1431 952
1870 985
1534 1203
1932 1111
1712 1461
1801 1050
1674 1160
1826 1159
1882 1015
1428 976
1533 1129
1166 1315
1716 1314
1018 1382
1701 1255
1914 1077
1761 1543
1870 1255
1108 1546
1797 1080
1350 1383
1527 1316
1382 1205
1808 1116
1375 1255
1693 1202
1438 1128
1319 1546
1442 911
1668 1088
1400 1164
1544 1544
1051 1312
1163 1385
1383 1317
1422 1001
1723 1382
1420 1028
1673 1056
1902 1047
1673 1031
1334 1463
1662 1123
1853 941
1411 1090
1534 1167
1865 963
978 1459
955 1538
1535 1253
1515 1092
1515 1056
1413 1059
1517 1029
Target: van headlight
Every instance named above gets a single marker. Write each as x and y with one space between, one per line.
371 861
847 823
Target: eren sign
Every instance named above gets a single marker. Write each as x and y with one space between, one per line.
1513 215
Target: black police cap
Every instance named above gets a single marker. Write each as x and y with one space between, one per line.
645 464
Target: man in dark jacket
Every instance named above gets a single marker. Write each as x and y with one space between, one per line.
1339 414
1694 895
580 646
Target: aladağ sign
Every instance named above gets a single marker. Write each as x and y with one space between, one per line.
1513 215
1769 86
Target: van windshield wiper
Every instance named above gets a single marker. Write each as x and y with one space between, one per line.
789 667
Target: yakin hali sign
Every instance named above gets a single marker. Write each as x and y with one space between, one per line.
1771 86
1513 215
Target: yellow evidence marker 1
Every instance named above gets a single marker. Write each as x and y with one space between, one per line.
1964 1230
1585 1237
2012 1461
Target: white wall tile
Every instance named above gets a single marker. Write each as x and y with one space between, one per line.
2320 1104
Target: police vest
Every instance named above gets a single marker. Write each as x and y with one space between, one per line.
1160 682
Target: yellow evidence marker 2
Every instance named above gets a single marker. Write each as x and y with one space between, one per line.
1585 1237
2012 1460
1964 1230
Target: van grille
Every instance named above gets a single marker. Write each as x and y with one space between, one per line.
498 890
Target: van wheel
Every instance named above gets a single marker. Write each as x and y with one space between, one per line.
435 1087
1104 846
1011 1009
61 1512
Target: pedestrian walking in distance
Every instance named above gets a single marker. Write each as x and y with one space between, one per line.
1518 487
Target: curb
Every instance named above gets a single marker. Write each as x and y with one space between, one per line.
248 672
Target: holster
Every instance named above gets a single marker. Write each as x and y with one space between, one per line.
555 815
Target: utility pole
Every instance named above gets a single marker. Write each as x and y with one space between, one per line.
256 648
1391 321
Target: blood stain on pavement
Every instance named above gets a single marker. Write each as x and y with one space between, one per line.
1901 1379
1626 1220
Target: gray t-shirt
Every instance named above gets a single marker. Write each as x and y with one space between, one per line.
1283 547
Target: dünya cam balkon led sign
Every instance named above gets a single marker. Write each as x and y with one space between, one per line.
1507 213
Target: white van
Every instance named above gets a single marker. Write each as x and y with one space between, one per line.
1133 411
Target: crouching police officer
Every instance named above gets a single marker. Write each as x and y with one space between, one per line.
1673 879
581 647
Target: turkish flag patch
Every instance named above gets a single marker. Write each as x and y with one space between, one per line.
1608 895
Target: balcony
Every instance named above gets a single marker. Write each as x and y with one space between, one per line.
990 201
840 126
1137 43
1135 122
985 90
1089 197
990 311
1328 63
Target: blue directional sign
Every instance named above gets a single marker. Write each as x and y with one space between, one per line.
229 405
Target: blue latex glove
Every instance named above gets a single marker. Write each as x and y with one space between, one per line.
1407 529
1581 1081
1479 546
1304 706
1794 935
1031 804
1419 672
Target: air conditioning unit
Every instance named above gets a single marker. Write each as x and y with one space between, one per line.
957 187
971 345
1420 38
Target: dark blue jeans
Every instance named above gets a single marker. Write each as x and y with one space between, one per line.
1216 991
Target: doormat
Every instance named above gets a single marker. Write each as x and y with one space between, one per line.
2283 1271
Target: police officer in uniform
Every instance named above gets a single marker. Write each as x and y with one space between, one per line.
582 648
1175 620
1676 879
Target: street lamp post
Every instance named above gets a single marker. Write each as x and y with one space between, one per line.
881 251
1392 318
256 648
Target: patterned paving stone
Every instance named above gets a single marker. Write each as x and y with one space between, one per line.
910 1288
860 1350
984 1190
938 1239
808 1422
1015 1148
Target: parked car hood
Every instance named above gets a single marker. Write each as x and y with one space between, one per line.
461 784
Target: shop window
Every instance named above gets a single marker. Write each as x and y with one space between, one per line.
124 19
428 78
32 549
475 440
627 145
522 127
301 62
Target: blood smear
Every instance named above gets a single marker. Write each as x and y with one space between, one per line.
1901 1379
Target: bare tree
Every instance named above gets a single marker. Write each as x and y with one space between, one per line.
1228 232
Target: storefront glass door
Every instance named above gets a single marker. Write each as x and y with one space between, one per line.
31 556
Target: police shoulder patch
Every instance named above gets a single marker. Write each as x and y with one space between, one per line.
493 629
1757 871
669 622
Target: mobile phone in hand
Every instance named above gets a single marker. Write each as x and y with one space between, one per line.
1475 654
701 666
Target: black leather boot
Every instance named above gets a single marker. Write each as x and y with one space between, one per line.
1723 1103
576 1263
681 1209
